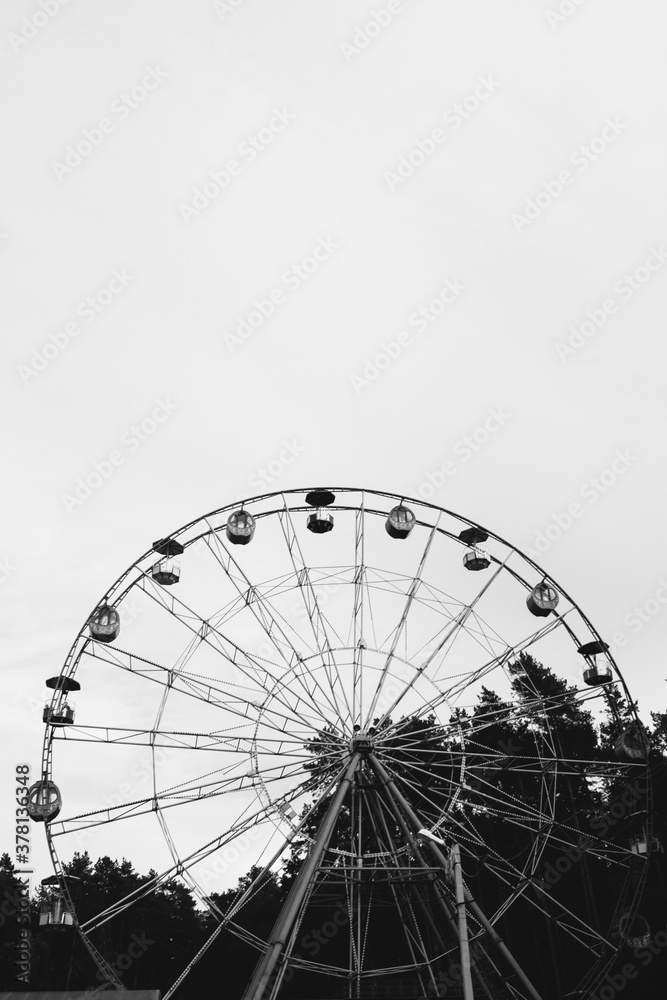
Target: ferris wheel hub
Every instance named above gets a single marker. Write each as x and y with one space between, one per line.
361 743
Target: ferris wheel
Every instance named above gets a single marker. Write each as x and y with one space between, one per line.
357 675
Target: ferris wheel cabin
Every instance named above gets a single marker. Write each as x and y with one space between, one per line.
400 522
240 527
542 600
595 673
44 801
104 623
321 520
167 571
475 558
54 913
60 711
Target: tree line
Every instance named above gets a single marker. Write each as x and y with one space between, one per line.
152 941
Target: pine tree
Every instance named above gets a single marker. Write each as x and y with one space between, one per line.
14 919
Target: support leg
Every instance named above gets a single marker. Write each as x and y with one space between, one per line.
297 893
442 860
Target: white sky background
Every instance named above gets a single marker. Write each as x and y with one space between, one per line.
330 175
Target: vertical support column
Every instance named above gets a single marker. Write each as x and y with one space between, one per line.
296 895
390 841
463 923
440 896
358 616
442 860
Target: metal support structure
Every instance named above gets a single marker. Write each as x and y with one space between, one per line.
389 840
358 615
472 905
297 893
97 957
410 596
440 896
455 856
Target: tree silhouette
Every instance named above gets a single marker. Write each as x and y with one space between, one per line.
488 770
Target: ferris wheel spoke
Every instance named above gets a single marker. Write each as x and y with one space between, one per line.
412 591
483 634
174 739
260 607
502 806
202 689
518 881
465 680
251 667
185 741
186 794
318 622
502 762
242 825
163 675
359 581
192 790
476 755
581 931
546 833
445 642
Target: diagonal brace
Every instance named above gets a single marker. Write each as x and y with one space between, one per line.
292 905
442 860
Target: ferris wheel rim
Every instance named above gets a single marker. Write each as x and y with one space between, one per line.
116 591
400 497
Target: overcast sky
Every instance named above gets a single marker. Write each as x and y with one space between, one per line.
252 245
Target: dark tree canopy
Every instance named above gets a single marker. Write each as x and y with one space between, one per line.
536 719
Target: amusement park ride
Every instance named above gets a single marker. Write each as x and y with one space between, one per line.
319 693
